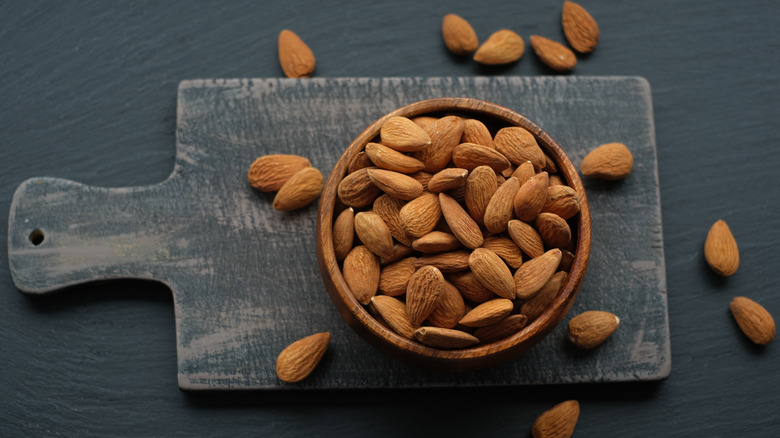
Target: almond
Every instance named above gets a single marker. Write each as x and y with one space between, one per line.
753 319
445 134
499 210
393 311
492 272
359 161
399 251
556 180
580 28
480 186
518 146
435 242
299 359
542 300
448 179
459 221
531 197
553 54
449 309
357 189
269 172
610 161
394 277
422 293
420 216
474 131
549 165
300 190
720 249
567 260
389 209
535 273
404 135
296 58
558 422
424 122
506 249
423 178
487 313
390 159
470 156
396 184
555 231
453 261
361 273
502 47
502 329
459 36
470 287
526 238
374 233
562 200
343 233
589 329
439 337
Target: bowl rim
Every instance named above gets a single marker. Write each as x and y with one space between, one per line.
359 318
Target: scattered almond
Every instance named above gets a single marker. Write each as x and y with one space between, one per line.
299 359
610 161
300 190
558 422
580 28
502 47
589 329
553 54
269 172
720 249
296 58
753 319
459 36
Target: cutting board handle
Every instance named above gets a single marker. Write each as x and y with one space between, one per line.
63 233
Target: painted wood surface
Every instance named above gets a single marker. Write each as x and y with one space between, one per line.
244 277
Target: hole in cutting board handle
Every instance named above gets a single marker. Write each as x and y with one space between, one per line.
36 237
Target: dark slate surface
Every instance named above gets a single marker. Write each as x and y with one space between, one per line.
89 94
244 277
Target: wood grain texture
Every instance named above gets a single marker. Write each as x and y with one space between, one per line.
244 277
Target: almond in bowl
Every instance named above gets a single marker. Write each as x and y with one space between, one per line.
470 239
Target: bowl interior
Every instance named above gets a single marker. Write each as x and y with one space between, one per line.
483 355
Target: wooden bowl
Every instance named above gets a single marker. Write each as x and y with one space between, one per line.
482 355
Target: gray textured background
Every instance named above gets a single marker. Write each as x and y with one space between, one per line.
89 94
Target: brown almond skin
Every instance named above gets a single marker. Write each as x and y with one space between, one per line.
459 221
396 184
359 161
361 273
531 197
502 329
470 287
535 273
399 251
488 313
554 54
295 57
394 277
448 179
555 231
439 337
505 248
459 36
449 309
590 329
422 293
720 250
389 209
343 233
524 172
518 145
499 210
452 261
502 47
753 319
474 131
471 155
303 188
580 27
492 272
269 172
480 186
562 200
542 300
390 159
610 161
393 311
445 134
558 422
526 237
435 242
374 233
420 216
402 134
357 189
299 359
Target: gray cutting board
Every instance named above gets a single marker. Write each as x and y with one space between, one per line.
244 277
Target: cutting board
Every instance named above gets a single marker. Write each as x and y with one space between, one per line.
244 277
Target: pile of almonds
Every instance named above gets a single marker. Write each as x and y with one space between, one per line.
451 234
